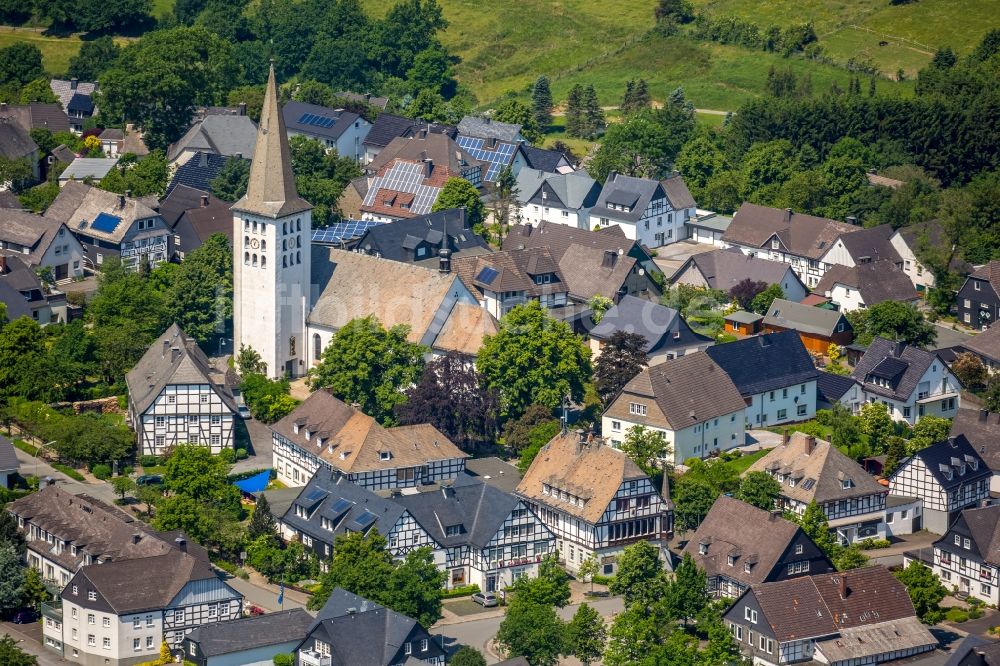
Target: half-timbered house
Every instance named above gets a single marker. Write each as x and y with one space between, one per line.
850 618
177 396
947 477
120 612
968 556
739 545
325 432
812 470
595 500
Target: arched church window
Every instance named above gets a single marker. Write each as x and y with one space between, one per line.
246 225
284 261
246 257
298 257
284 244
246 241
284 227
255 227
317 347
263 261
298 224
263 246
254 260
299 241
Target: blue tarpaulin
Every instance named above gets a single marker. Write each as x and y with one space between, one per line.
255 483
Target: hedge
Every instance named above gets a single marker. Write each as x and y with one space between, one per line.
461 591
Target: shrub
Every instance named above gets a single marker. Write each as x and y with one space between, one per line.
975 613
228 456
461 591
149 461
873 544
102 472
603 580
956 615
241 454
68 471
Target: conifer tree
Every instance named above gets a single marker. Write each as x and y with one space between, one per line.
262 521
574 111
593 115
541 102
628 100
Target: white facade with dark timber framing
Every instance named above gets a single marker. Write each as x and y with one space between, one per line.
177 397
947 477
967 557
595 500
271 253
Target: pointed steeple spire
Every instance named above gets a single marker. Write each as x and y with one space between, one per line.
271 190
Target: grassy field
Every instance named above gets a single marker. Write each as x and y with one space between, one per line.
56 51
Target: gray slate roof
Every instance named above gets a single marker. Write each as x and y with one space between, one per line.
222 135
725 268
495 472
903 365
543 159
877 281
985 344
983 527
249 633
8 456
15 142
950 457
487 128
174 358
573 191
399 240
831 387
871 244
677 192
63 89
558 238
388 127
805 318
657 323
766 362
981 429
801 235
635 193
342 120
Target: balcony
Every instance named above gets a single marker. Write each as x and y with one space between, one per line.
925 396
52 612
313 658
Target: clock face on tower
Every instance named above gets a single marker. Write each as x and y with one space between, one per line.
254 243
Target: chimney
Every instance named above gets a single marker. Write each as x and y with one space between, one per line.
204 201
3 106
136 538
428 167
844 591
243 108
788 215
983 415
175 353
852 220
182 544
166 346
898 348
488 120
444 260
238 156
121 200
810 444
612 175
73 83
128 194
784 437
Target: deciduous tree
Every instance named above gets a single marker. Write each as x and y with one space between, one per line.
925 590
532 630
586 635
687 593
969 370
460 193
877 424
622 357
759 489
640 577
692 500
744 292
647 449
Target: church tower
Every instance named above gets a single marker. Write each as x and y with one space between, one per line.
271 261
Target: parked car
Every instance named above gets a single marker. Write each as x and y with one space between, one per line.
149 480
254 611
24 616
487 599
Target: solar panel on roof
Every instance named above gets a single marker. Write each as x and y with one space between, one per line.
303 117
315 495
487 275
365 519
341 506
105 222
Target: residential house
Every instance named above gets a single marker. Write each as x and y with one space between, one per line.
559 238
666 334
813 470
352 198
986 346
41 242
194 216
36 115
481 535
909 381
16 144
108 618
557 198
408 174
90 169
336 129
345 234
116 142
247 641
503 280
325 432
596 501
865 285
974 650
487 128
352 631
832 389
437 306
724 269
981 429
65 532
177 396
547 160
978 300
9 464
708 227
781 235
948 477
915 239
818 328
967 557
111 225
739 545
865 245
643 209
24 295
494 154
860 616
77 100
369 99
688 400
198 172
775 375
387 127
225 135
420 240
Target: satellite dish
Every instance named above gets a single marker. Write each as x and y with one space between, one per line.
642 272
620 252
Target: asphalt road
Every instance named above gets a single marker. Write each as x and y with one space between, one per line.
34 467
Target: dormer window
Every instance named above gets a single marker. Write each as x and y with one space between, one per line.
731 560
384 455
308 434
295 428
452 530
746 567
846 484
637 409
775 244
703 549
546 488
966 543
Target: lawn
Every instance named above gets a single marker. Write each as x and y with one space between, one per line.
743 463
56 51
